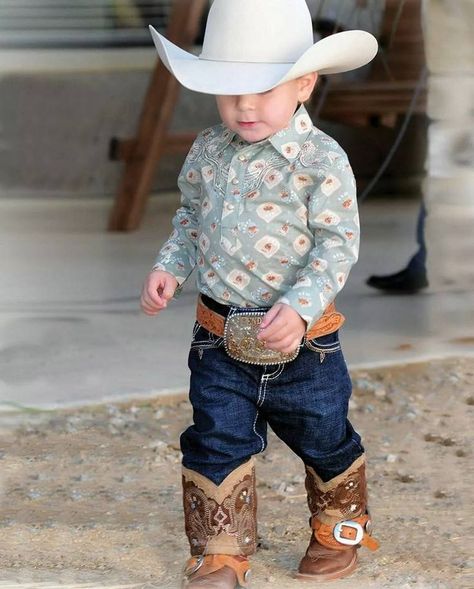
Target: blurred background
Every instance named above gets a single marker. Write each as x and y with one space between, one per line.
81 101
74 75
93 133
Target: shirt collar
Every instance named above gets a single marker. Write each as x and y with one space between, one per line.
224 139
287 142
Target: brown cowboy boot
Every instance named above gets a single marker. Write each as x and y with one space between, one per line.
340 523
221 527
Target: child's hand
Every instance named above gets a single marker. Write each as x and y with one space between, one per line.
282 328
157 290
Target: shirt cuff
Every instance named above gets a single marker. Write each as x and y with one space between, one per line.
301 304
179 279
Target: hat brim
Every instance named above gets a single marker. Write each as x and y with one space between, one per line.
337 53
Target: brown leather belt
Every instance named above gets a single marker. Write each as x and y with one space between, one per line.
329 322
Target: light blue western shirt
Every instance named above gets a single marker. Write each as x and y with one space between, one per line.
266 222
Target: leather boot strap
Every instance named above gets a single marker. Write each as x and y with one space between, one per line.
346 534
198 566
330 321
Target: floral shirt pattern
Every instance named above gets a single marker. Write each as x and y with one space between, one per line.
273 221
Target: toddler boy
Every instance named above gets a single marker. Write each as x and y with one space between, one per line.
269 217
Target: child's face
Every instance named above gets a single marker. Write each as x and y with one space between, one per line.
257 116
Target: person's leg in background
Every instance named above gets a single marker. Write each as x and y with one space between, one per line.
414 276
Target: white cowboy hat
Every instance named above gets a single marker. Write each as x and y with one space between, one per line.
251 46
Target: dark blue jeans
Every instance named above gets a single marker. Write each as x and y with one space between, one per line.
305 402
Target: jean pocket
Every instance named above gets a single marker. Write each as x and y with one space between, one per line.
204 340
324 345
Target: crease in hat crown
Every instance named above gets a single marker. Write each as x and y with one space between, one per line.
268 31
251 46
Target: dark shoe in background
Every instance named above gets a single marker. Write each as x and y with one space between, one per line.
406 281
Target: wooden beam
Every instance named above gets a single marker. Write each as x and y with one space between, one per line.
371 98
176 143
180 142
142 153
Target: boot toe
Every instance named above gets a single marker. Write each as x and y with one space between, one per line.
224 578
326 564
327 567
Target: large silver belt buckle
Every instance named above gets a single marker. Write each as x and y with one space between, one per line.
241 343
348 524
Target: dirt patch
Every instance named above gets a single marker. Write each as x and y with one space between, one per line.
463 341
92 496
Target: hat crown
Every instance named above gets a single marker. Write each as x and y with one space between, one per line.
257 31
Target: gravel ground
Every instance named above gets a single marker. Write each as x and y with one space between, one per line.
91 497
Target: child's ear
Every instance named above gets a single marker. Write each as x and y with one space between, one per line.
306 86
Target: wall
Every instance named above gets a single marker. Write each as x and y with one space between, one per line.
55 129
56 124
449 185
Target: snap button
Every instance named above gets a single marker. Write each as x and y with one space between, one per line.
235 181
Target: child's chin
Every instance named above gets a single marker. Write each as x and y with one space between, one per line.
252 136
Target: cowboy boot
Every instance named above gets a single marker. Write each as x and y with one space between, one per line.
221 527
340 523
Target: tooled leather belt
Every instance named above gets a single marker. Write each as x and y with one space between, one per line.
213 319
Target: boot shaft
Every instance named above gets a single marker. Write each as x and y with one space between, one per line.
221 519
343 497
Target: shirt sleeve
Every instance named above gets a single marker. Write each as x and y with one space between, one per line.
333 220
178 254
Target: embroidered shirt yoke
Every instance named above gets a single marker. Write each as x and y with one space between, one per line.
273 221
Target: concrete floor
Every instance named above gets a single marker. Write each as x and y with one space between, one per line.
71 332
